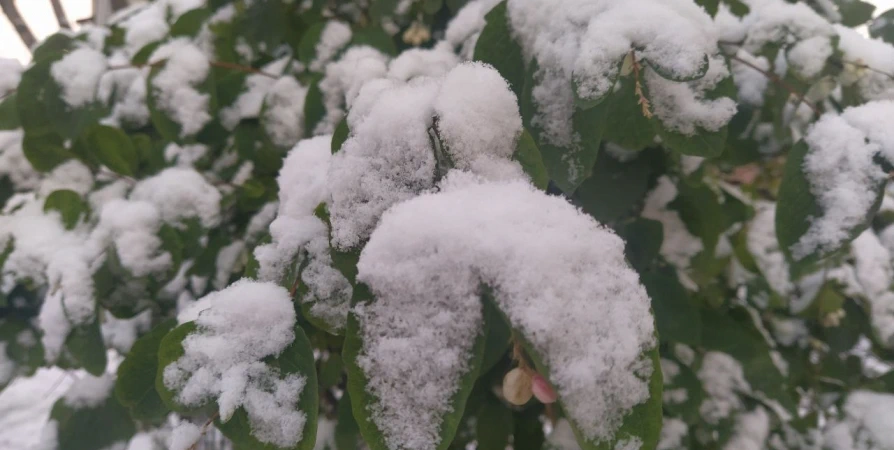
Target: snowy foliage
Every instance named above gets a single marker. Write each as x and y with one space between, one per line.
385 224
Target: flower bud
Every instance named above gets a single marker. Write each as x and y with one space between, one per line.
542 390
517 386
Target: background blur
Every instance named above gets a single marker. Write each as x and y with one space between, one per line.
38 14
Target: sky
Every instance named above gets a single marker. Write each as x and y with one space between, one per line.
39 15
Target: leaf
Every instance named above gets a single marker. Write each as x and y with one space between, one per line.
44 150
494 425
190 23
69 204
114 149
347 434
642 422
331 370
528 155
677 319
497 47
643 238
362 400
307 47
797 206
528 433
340 135
703 143
9 116
169 350
95 428
568 167
86 347
616 189
855 12
135 385
376 38
314 108
499 334
625 123
882 27
52 46
297 358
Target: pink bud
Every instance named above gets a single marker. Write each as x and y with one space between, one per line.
542 390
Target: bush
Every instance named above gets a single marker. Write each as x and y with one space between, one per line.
433 224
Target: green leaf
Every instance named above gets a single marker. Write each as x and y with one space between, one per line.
69 204
568 167
644 420
528 433
135 385
625 123
340 135
376 38
297 358
676 316
855 12
703 143
499 335
170 350
883 27
347 434
643 238
616 189
114 149
710 6
497 47
314 108
92 428
190 23
331 370
362 400
9 116
494 424
528 155
86 347
307 47
44 149
797 206
52 46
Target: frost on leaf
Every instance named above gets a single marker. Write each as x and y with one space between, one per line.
843 172
390 155
301 239
426 264
224 360
579 46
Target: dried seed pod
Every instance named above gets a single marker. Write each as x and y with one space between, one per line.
517 386
542 390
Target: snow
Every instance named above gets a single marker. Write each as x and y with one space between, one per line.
751 431
89 391
722 379
127 87
144 27
778 21
866 424
842 175
121 334
223 360
583 42
133 226
335 35
184 436
762 244
343 80
858 50
465 27
72 175
417 62
10 74
678 246
25 407
875 274
751 84
283 117
174 87
673 431
426 263
180 193
78 74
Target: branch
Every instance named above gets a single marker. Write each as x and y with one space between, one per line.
12 13
60 14
780 82
860 65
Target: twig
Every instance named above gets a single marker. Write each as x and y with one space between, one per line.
780 82
638 88
867 67
204 430
221 64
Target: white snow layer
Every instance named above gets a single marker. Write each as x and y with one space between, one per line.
427 262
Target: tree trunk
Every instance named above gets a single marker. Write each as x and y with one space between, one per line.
12 13
60 14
